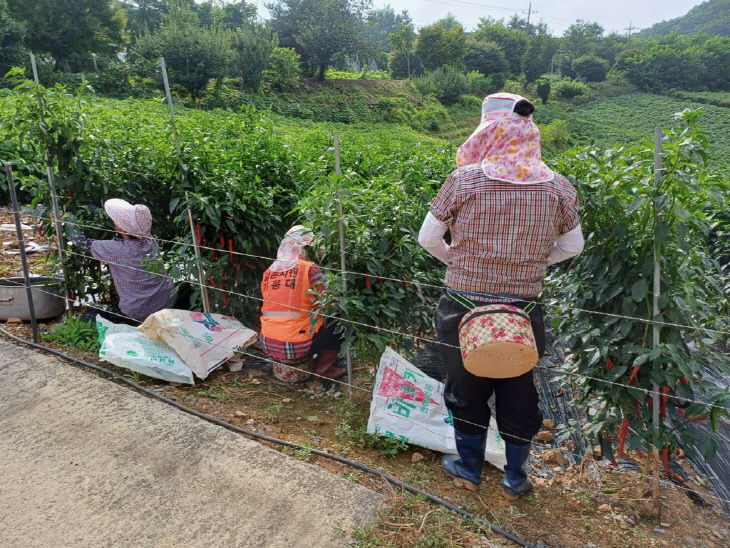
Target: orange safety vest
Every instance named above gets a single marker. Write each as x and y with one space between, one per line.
285 314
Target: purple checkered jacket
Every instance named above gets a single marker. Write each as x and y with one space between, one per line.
132 265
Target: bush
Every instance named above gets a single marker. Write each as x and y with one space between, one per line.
543 89
446 84
555 136
284 70
252 46
590 68
567 88
486 57
398 63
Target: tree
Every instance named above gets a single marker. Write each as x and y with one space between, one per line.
438 47
374 36
252 46
590 68
581 38
485 57
318 29
144 15
71 26
237 14
12 33
193 54
513 42
538 56
402 42
284 69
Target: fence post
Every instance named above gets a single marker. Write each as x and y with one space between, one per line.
54 196
655 312
343 263
184 175
21 247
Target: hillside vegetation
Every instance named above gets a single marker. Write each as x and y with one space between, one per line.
712 17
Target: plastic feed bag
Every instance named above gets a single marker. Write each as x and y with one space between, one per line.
409 405
203 341
124 346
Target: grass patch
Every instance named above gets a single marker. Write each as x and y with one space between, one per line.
410 520
352 430
74 333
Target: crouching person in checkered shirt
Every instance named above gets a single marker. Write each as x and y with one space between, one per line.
132 257
509 217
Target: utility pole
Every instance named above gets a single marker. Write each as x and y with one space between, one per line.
529 11
630 28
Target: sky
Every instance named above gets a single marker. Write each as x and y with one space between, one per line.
612 15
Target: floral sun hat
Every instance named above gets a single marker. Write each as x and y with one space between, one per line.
296 239
135 220
506 143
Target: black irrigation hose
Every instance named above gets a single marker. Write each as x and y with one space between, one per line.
355 464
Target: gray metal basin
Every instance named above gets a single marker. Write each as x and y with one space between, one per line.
48 301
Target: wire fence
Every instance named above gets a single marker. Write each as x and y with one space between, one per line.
369 391
441 287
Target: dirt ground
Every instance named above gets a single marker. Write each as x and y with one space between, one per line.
588 505
10 262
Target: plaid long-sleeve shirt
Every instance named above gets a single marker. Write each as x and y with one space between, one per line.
502 233
131 263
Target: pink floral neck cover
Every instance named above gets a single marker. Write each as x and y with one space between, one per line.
506 144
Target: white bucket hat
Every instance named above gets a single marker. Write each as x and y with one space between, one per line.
135 220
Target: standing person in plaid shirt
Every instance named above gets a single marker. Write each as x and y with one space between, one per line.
131 257
509 217
287 328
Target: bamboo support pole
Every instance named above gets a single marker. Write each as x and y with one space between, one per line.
184 175
343 262
54 195
21 248
655 312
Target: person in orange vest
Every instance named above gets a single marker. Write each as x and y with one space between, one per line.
290 327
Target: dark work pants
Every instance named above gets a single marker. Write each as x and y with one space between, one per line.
518 414
327 339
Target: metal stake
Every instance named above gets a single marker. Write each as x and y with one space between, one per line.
184 174
343 266
21 247
655 310
54 195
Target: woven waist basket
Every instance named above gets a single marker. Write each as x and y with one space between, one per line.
497 341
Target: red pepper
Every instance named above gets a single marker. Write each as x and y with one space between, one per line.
405 277
249 265
623 431
379 280
223 242
665 463
199 235
683 380
368 284
641 453
634 373
230 249
663 408
691 419
609 364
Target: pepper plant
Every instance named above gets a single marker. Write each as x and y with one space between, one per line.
602 302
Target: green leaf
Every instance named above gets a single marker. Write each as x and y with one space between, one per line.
635 205
639 290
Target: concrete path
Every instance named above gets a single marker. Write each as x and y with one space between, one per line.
84 462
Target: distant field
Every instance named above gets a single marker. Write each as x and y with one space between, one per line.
717 98
630 119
